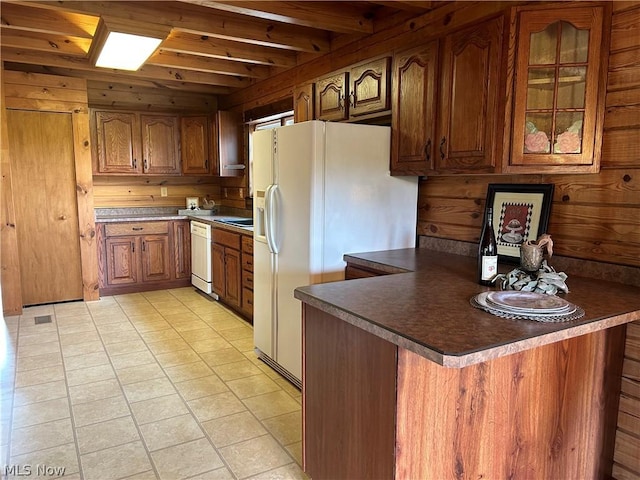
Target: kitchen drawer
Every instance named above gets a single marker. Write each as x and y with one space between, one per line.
247 262
136 228
225 238
247 279
247 244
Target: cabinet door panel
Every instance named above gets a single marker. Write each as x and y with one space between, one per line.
155 258
194 145
233 278
413 121
182 249
229 142
469 99
160 138
368 87
122 261
303 103
218 273
118 142
330 97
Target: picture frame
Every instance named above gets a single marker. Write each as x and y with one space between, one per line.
520 213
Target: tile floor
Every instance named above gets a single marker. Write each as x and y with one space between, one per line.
156 385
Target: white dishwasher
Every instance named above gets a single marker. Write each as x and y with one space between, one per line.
201 273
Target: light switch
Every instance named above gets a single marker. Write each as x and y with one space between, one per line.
163 191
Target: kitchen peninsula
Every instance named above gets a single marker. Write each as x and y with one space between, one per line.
403 378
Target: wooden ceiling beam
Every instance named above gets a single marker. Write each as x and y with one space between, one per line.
341 17
45 42
206 64
188 43
20 17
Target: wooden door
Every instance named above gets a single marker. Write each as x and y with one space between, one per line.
233 276
369 87
331 93
414 102
182 248
469 99
229 142
155 258
217 267
194 145
160 144
44 189
117 142
303 103
122 260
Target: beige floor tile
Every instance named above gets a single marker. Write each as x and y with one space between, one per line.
156 387
179 357
287 428
70 309
39 393
86 325
170 432
38 338
133 359
183 317
38 348
41 436
41 375
90 392
75 338
271 404
82 348
210 345
288 387
287 472
169 308
119 327
117 337
140 373
166 346
199 334
188 371
84 361
221 357
90 375
189 325
151 326
41 412
142 308
62 459
226 322
148 475
255 456
186 460
233 429
216 406
295 450
232 371
243 344
218 474
109 465
38 361
253 385
121 348
237 333
110 433
100 411
201 387
32 329
160 335
158 408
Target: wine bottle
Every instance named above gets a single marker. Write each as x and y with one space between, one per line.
487 252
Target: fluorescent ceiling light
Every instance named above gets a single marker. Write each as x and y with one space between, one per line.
125 44
125 51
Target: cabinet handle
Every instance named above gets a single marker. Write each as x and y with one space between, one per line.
135 163
133 247
442 143
427 150
206 164
341 103
146 164
352 99
137 229
143 245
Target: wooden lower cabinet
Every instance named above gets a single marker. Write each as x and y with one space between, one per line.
247 276
225 262
140 256
372 409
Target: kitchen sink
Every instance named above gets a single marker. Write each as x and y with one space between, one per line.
241 222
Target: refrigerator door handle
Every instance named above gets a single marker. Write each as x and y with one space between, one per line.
270 220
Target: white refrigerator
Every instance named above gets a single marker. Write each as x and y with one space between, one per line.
320 190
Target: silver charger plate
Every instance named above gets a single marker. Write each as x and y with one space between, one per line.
529 302
480 301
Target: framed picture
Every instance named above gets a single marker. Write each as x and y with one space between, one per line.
520 213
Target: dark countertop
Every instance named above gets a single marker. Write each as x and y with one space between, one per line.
427 310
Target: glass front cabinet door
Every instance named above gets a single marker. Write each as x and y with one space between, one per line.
558 91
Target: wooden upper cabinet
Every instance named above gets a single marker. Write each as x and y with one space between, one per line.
331 94
195 135
414 110
468 127
117 139
369 87
559 90
303 99
229 143
161 144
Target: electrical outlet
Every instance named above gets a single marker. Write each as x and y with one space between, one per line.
163 191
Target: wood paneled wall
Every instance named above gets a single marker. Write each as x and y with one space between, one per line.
141 191
595 216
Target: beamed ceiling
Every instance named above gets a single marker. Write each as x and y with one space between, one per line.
213 48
